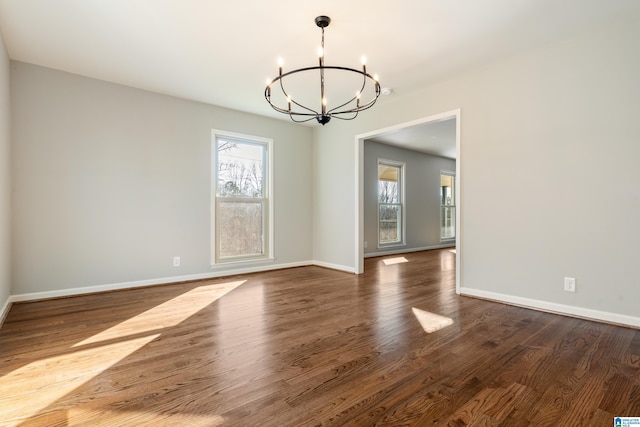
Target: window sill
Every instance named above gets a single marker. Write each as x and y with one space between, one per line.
242 263
392 245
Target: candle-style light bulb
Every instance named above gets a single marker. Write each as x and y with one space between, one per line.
320 52
375 77
280 62
364 60
289 102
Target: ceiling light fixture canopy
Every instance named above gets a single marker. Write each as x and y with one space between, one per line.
344 110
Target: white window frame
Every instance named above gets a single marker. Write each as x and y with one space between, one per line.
401 190
453 205
268 218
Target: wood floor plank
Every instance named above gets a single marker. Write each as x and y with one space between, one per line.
310 346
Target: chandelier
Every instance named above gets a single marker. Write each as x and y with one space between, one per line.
323 112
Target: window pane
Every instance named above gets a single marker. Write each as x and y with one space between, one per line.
390 199
390 223
448 222
240 169
241 228
388 184
447 188
388 192
447 206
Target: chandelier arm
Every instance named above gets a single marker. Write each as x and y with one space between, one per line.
286 95
364 84
361 108
301 121
365 106
293 113
280 109
290 113
347 118
280 79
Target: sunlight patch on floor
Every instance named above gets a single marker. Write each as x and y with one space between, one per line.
397 260
431 322
453 251
167 314
65 372
62 374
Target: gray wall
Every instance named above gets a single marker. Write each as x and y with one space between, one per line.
111 182
551 137
5 180
422 195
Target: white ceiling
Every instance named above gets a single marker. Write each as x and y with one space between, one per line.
435 138
222 52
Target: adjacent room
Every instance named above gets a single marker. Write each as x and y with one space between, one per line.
343 213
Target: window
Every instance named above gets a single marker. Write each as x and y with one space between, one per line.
390 203
241 207
447 206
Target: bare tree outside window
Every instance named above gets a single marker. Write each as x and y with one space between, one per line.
240 169
240 208
447 206
389 203
388 192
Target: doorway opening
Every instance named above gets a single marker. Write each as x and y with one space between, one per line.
410 135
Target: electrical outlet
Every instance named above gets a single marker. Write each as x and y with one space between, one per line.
569 284
176 261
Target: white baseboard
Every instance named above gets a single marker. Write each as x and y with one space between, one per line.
149 282
551 307
335 266
407 250
5 310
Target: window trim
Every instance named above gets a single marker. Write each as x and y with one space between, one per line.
267 199
402 191
454 206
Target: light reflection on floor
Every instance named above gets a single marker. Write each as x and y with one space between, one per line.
397 260
431 322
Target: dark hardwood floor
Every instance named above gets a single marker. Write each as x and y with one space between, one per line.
308 347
